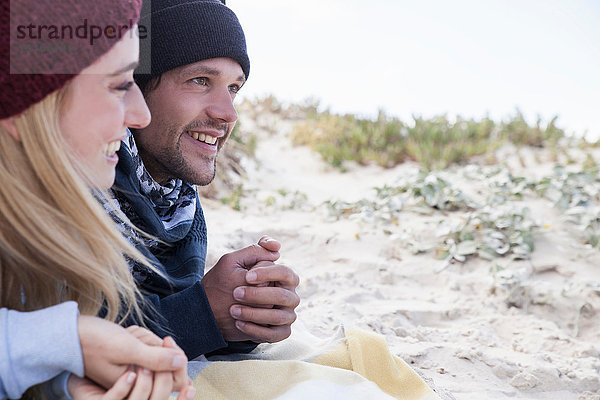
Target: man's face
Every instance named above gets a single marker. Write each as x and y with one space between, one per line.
192 117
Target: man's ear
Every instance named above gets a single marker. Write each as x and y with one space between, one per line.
11 128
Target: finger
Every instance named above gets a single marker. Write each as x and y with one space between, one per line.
122 387
83 388
275 296
263 316
249 256
111 372
284 276
268 243
263 334
263 264
156 358
189 393
180 376
162 385
143 385
145 335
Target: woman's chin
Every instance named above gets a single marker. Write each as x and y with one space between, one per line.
103 181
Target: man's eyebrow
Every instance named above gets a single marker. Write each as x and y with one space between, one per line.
198 70
126 68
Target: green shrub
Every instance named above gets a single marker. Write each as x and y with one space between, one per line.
435 143
340 138
517 131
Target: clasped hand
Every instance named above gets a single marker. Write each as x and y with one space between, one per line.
251 297
130 363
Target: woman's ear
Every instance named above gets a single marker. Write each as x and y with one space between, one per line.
11 128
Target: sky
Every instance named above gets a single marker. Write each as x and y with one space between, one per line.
429 57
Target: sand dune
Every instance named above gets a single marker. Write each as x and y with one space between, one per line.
527 330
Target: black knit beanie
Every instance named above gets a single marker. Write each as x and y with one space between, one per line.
181 32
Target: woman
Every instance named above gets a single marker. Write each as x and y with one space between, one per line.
62 116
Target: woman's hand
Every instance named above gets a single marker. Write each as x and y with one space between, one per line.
133 386
179 377
108 350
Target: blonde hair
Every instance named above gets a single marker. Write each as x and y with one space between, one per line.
57 242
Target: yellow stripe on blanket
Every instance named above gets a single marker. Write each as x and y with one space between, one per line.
286 379
357 365
367 354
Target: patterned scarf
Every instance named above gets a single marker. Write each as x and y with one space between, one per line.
174 202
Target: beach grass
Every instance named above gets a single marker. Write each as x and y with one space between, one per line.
435 143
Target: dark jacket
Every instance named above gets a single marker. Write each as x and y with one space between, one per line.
180 302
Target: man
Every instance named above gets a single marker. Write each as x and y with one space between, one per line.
198 62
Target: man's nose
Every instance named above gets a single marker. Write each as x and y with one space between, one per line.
221 107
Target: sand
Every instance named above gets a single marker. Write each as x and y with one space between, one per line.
529 331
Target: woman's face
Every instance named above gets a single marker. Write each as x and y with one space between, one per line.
100 103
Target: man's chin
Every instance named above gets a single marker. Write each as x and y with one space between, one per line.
197 170
203 179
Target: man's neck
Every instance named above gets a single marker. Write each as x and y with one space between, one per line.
154 168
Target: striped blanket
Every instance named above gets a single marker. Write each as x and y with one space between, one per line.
353 364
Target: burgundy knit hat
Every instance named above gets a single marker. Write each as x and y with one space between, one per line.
44 43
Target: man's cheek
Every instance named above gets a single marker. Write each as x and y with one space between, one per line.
224 139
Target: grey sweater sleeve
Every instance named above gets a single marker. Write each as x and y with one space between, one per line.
36 346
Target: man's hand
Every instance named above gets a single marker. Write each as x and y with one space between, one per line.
267 303
108 349
229 273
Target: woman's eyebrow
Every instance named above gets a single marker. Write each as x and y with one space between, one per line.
126 68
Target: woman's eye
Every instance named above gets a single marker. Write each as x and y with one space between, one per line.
125 86
200 81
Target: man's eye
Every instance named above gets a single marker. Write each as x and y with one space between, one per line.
234 88
200 81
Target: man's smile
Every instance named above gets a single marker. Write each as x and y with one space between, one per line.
203 137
